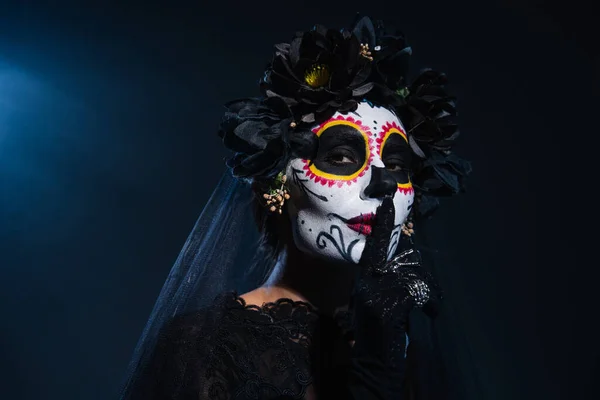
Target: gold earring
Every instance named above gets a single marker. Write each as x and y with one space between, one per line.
407 228
277 194
365 51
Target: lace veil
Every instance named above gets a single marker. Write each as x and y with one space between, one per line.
215 258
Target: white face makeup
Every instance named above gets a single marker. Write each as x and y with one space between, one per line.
363 156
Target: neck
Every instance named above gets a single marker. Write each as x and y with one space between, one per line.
324 284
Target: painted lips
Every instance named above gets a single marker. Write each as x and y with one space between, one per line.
362 224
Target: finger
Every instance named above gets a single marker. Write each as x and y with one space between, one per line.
384 218
376 246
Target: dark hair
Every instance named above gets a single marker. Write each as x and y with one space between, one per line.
274 229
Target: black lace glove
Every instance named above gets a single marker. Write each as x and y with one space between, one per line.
385 294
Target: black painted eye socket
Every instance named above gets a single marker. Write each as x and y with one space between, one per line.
395 167
342 150
397 157
341 156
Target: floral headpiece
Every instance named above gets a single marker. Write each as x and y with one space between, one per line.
323 71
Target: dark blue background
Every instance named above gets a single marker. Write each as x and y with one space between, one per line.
108 151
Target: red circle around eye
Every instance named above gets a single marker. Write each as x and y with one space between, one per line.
388 129
326 179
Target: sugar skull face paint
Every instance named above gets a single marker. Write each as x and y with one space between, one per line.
363 156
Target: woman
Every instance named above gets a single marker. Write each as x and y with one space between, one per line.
336 157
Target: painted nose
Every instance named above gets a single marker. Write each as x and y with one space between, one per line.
382 184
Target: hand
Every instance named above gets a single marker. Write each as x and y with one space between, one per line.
386 291
384 295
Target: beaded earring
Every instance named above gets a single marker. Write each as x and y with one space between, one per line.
277 194
407 228
408 225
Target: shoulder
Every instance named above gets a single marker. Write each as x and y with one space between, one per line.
269 295
255 297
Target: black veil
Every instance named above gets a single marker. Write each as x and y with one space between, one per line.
222 254
214 259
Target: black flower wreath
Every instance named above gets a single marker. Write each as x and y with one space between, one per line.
323 71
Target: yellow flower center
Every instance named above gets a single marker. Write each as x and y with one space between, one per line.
317 75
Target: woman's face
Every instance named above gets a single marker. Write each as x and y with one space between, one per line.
363 156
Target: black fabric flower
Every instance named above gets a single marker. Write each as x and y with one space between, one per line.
323 71
391 53
432 112
430 119
320 72
259 132
439 175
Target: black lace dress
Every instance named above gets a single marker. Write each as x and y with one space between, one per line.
282 350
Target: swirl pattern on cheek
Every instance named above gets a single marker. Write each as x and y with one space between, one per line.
327 179
392 128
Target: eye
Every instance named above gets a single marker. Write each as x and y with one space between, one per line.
395 167
340 158
342 152
397 156
396 163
